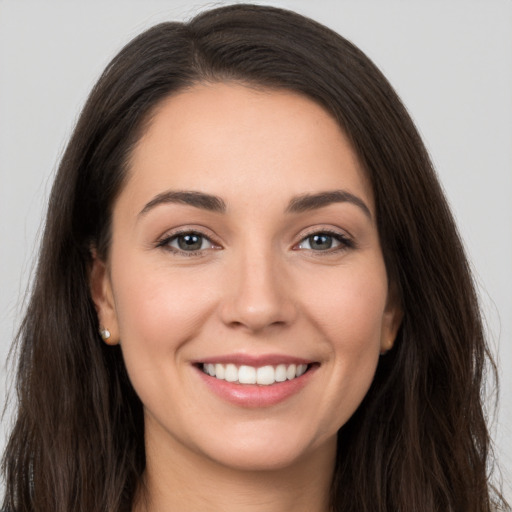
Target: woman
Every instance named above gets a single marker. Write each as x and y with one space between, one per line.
251 294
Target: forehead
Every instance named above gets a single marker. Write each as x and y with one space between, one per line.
223 138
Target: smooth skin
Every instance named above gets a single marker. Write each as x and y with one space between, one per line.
245 273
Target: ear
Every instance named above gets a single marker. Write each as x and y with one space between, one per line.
391 320
103 298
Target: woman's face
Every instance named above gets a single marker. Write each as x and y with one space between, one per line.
245 280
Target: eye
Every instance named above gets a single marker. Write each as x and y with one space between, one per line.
189 241
324 241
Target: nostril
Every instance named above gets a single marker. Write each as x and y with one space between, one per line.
256 308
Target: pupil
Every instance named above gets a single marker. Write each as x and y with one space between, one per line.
190 242
321 242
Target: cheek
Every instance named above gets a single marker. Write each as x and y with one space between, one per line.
158 308
158 311
349 307
348 313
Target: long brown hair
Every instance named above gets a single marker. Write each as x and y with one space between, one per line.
419 440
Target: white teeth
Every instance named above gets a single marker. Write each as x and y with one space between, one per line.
220 372
280 373
301 369
264 375
291 371
247 375
231 373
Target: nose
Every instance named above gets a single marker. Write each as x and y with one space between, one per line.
258 293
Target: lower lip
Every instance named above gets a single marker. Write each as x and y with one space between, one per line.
254 395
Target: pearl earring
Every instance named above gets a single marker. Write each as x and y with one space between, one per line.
104 333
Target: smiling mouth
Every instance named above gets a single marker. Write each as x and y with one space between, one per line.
263 375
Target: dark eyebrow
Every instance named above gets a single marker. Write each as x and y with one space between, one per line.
197 199
308 202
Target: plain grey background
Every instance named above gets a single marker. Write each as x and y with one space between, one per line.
450 61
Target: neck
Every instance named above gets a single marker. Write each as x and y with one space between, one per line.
180 480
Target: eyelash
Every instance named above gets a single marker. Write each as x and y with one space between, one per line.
344 242
165 242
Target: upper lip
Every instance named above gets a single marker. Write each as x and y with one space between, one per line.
254 360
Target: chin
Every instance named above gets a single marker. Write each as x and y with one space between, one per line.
268 453
259 461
